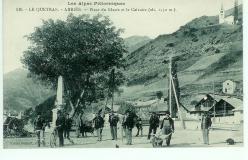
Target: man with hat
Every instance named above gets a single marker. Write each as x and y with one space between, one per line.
167 127
68 124
205 126
139 126
39 127
60 124
123 125
128 125
79 124
113 120
154 124
98 123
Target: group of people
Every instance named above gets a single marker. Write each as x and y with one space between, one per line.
130 119
81 126
128 122
166 127
63 127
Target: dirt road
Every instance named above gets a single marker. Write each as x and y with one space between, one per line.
181 138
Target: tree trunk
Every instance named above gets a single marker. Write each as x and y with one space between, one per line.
74 108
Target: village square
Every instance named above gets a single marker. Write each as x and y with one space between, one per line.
183 89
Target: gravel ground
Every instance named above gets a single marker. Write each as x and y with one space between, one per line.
181 138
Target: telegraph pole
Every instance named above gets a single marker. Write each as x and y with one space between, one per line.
214 100
177 104
172 90
170 79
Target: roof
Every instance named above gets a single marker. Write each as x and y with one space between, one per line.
88 117
216 97
228 80
115 107
159 106
229 16
235 102
199 97
151 105
202 96
144 104
238 109
204 109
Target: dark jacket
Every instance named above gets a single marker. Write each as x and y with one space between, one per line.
206 122
130 121
68 124
60 123
154 121
139 122
98 121
39 124
113 120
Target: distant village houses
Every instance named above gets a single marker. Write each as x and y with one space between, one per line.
226 108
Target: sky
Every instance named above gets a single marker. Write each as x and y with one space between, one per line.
17 24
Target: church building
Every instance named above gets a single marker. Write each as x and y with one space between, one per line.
231 19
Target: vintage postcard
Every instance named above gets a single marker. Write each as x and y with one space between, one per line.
122 74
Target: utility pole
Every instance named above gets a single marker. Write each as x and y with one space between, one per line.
236 12
214 100
178 107
170 79
172 90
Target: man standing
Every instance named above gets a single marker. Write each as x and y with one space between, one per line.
113 120
123 127
39 127
98 123
154 123
79 123
60 124
129 124
139 127
167 127
205 126
68 124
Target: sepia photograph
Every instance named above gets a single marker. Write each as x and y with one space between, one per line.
122 74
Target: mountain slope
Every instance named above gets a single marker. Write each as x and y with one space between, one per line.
20 92
134 42
207 52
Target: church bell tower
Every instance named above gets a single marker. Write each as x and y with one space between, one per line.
221 14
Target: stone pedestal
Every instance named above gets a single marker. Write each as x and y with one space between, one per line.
59 100
55 115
